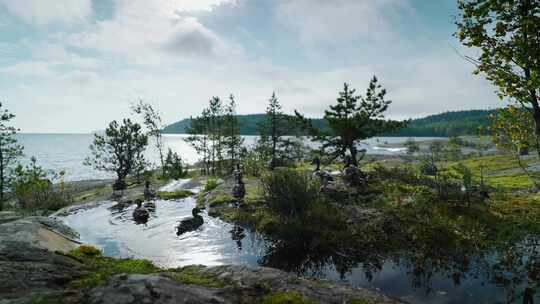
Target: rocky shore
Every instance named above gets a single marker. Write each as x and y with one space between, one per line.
37 265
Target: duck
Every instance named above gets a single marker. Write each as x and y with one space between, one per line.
140 214
190 224
321 175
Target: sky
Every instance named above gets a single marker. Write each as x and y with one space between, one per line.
72 66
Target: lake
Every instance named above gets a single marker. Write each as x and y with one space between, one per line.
67 151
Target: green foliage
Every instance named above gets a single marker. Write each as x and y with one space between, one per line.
179 194
174 167
119 150
215 136
210 184
508 37
352 119
272 131
412 146
33 189
233 141
87 250
248 124
469 122
285 297
152 121
289 192
10 151
254 161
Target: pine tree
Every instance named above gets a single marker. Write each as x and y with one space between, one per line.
10 151
353 119
216 134
273 129
233 141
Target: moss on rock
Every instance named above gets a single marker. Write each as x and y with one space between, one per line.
286 297
197 276
180 194
101 268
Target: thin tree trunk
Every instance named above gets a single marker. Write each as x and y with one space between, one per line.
536 117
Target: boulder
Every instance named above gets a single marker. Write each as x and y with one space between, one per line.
31 259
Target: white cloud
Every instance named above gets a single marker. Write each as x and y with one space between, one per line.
340 21
141 30
42 12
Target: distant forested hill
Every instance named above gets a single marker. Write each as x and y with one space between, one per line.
446 124
440 125
248 124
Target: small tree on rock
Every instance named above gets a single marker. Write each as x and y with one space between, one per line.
353 119
120 150
273 128
10 151
233 140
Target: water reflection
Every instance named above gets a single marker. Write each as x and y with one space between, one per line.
440 272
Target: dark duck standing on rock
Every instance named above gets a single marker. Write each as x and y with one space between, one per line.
140 214
190 224
239 188
319 174
352 175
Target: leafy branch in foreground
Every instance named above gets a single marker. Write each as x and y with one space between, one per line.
512 130
507 33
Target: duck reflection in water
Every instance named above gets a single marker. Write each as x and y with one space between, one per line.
237 235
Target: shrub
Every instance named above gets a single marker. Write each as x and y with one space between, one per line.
412 147
254 161
32 187
88 250
210 184
174 166
289 192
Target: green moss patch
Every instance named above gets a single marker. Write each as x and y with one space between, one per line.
197 276
286 297
220 199
180 194
101 268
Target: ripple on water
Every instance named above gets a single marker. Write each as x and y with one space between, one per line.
119 235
